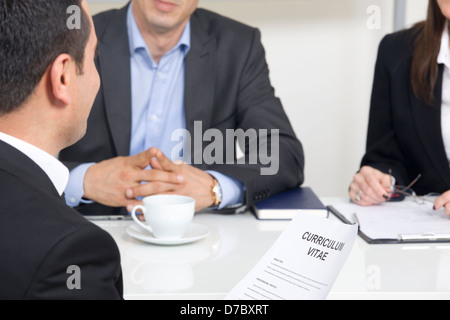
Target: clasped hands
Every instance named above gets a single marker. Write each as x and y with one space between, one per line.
121 181
371 187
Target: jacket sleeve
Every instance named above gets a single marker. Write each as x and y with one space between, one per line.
382 149
258 108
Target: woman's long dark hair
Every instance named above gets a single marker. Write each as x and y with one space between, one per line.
424 67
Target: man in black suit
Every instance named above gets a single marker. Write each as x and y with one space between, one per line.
167 66
48 82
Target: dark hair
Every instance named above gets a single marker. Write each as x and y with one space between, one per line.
33 33
424 69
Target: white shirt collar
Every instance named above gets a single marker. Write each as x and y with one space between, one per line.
56 171
444 52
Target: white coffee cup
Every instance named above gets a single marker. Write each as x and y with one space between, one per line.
166 216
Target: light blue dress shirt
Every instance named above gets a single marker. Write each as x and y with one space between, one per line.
157 99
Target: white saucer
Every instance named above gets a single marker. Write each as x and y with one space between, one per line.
194 232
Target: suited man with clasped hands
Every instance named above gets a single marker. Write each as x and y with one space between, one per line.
165 66
48 82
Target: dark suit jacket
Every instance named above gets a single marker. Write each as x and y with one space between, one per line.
227 87
40 237
404 133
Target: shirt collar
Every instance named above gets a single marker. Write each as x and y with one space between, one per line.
444 52
136 41
55 170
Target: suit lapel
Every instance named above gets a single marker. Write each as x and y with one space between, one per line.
428 124
199 78
116 79
25 169
115 72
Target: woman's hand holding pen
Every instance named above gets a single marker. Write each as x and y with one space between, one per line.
371 186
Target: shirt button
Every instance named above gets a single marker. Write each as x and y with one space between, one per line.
153 118
73 200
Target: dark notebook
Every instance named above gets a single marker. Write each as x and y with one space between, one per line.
287 204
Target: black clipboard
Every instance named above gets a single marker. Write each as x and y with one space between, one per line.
369 240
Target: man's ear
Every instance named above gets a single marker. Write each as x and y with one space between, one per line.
61 77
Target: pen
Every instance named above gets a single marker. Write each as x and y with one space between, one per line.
391 189
355 218
424 236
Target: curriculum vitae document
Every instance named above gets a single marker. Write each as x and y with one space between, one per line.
303 263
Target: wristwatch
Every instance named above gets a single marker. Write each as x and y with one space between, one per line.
216 192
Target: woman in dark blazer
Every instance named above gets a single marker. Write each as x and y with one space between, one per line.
406 138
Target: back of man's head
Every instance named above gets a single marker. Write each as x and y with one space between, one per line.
32 35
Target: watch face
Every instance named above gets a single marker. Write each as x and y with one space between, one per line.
218 192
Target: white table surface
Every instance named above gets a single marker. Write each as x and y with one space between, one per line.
210 268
